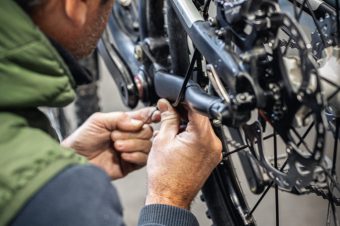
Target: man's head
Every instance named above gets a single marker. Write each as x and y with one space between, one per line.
75 24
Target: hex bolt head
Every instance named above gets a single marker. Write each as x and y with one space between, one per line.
212 21
125 3
138 53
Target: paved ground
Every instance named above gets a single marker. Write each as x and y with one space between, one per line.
307 210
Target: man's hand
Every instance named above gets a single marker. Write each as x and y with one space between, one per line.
116 142
180 162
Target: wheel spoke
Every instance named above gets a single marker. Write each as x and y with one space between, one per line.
329 82
265 192
235 151
331 206
333 94
269 136
301 140
335 183
335 150
328 219
245 146
276 186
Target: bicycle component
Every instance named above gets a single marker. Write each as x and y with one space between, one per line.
329 68
118 59
319 8
217 83
169 86
329 32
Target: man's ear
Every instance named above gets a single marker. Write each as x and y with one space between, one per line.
76 11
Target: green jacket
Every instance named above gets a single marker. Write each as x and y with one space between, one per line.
32 74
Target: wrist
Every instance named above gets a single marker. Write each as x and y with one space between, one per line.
70 143
173 200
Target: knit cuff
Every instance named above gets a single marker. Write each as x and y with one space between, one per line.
164 215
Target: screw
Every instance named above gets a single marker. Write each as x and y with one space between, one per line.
220 33
300 96
125 3
212 21
138 52
217 122
242 97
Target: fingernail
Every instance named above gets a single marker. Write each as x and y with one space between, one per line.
163 105
135 122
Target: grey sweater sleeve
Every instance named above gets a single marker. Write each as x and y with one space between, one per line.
163 215
84 195
80 195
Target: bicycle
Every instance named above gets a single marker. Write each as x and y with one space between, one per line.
251 69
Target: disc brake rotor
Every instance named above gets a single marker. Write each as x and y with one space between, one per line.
295 95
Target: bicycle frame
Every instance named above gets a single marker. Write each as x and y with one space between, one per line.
226 64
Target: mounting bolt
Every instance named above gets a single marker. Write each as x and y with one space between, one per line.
217 122
138 53
125 3
212 21
220 32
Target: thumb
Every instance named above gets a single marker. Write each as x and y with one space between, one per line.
169 118
146 115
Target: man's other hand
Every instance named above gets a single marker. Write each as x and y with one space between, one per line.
180 162
118 142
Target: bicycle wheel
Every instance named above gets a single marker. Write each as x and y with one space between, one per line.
267 167
222 191
284 80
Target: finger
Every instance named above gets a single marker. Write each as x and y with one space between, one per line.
170 119
198 123
138 158
156 116
145 133
146 115
117 121
133 145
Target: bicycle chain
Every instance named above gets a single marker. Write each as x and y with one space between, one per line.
324 193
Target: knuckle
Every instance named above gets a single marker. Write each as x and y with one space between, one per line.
96 116
115 135
122 115
118 145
